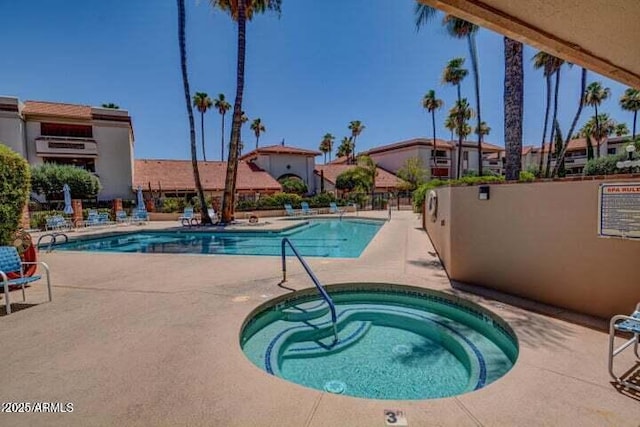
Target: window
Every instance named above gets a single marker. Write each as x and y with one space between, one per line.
60 129
611 150
84 163
439 153
465 155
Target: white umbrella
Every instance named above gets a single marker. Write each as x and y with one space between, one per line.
141 206
68 209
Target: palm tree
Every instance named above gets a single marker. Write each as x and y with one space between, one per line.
240 11
630 101
483 130
431 103
453 74
600 128
370 169
223 106
326 145
593 96
460 29
621 130
202 102
345 148
550 66
459 115
257 127
111 105
356 128
513 106
574 123
192 129
450 124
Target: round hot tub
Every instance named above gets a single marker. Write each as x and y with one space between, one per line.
393 342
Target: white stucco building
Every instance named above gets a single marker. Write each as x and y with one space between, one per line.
99 140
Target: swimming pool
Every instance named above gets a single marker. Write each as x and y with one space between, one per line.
334 238
394 342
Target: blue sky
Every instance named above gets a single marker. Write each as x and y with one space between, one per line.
312 70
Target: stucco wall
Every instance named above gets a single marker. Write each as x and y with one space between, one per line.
395 159
11 132
301 166
114 163
538 241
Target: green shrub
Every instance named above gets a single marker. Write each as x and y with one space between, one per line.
15 186
39 219
278 200
605 165
526 176
173 204
321 200
420 194
354 179
48 180
247 205
293 185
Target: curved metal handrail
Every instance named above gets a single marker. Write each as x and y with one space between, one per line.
53 239
321 290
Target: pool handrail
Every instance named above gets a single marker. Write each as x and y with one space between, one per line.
314 279
54 240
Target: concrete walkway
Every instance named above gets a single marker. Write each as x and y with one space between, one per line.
153 339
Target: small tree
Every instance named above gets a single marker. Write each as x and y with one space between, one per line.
413 173
293 185
15 186
48 180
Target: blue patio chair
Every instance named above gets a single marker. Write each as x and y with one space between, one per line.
139 216
630 325
188 218
122 218
290 211
10 262
334 209
306 210
57 222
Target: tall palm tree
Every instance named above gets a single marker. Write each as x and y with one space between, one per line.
593 97
453 74
574 123
550 65
356 127
460 29
630 101
240 11
345 148
621 130
202 102
326 145
450 124
182 43
257 127
600 128
483 130
431 103
513 106
223 106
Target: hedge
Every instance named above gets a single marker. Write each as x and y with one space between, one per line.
48 180
15 186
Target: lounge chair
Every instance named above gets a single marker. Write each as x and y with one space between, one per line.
334 209
630 325
290 211
213 215
122 218
188 218
139 216
10 262
95 219
57 222
306 210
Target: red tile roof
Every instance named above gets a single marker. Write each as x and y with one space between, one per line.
384 179
428 142
178 175
281 149
56 109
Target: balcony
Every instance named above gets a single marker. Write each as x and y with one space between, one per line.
66 146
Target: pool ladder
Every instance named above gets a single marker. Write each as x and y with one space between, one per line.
321 290
53 239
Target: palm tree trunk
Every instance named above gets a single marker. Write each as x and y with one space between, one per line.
546 124
222 143
353 151
597 133
204 156
435 148
192 128
555 118
560 159
257 138
635 117
473 52
513 104
228 199
458 170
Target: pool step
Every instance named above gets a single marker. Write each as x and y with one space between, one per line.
347 336
305 311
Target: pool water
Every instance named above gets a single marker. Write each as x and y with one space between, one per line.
345 238
391 344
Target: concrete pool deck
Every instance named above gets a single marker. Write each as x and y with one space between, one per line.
153 339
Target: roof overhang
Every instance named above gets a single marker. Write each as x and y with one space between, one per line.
599 35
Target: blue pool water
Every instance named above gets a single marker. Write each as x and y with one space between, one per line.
344 238
400 344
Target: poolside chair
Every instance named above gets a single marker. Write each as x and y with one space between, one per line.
122 218
139 216
188 218
290 211
213 215
630 325
334 209
10 262
57 222
306 210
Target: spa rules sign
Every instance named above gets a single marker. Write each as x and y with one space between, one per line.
619 210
